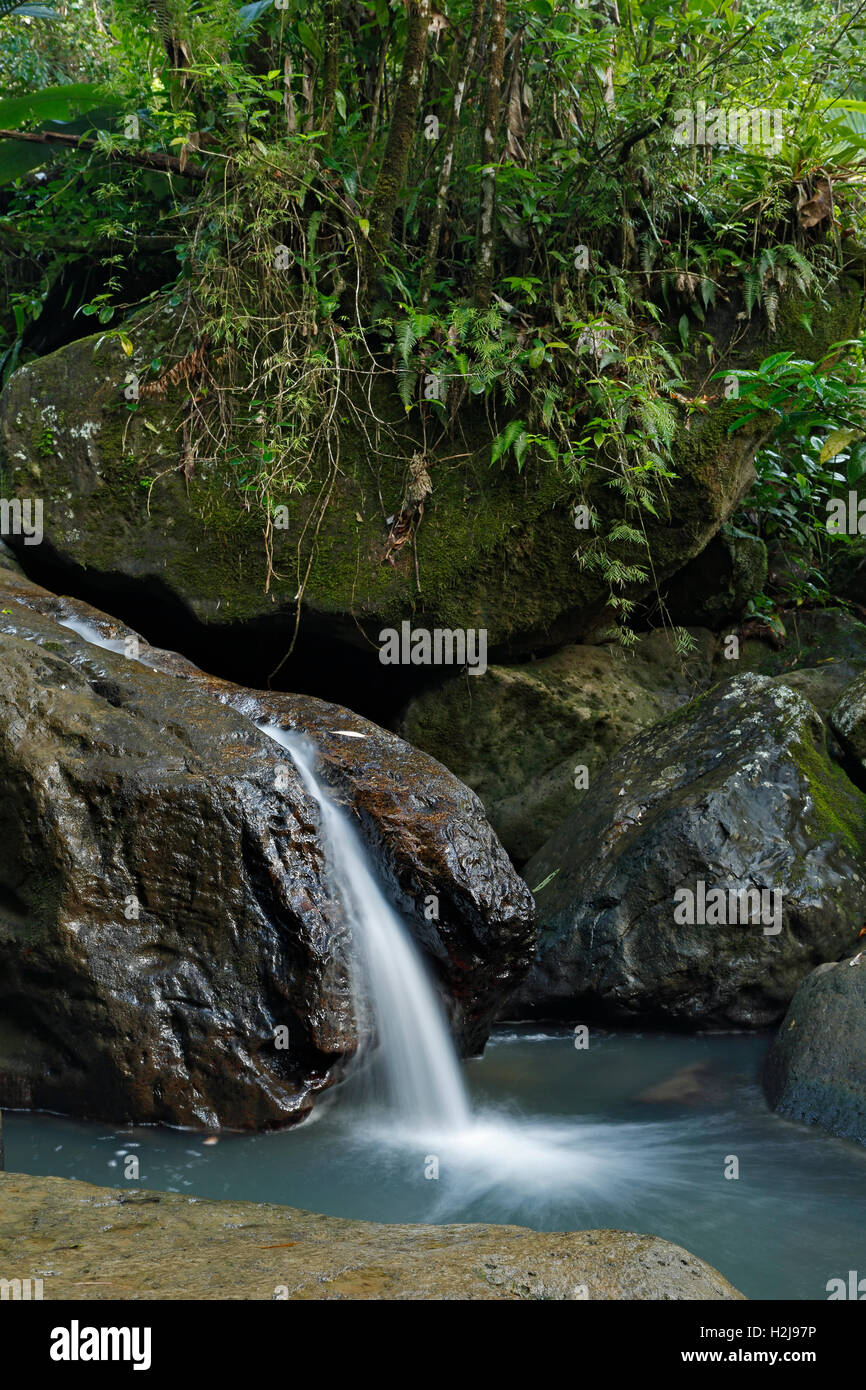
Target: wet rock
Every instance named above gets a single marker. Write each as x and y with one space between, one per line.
816 1068
137 785
735 792
519 734
166 1246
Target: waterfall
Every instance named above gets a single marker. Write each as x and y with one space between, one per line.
416 1064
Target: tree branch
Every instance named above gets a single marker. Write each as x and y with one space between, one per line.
145 159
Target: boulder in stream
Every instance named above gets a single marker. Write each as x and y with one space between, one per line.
709 867
816 1068
520 735
164 901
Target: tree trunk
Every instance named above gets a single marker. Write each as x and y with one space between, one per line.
392 172
436 225
330 69
487 211
377 91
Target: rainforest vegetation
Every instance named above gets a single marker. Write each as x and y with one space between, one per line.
330 210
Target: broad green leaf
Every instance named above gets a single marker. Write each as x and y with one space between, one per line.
837 441
309 40
51 104
248 14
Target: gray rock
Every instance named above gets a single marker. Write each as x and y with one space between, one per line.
163 1245
734 791
816 1068
848 719
820 653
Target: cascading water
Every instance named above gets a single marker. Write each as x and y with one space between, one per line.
492 1162
90 632
415 1064
587 1157
488 1156
415 1060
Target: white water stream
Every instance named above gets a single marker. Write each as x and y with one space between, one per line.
416 1063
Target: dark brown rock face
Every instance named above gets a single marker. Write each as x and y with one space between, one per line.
164 906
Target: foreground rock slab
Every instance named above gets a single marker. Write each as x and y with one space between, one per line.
816 1068
735 792
98 1243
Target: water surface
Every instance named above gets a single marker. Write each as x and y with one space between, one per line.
563 1139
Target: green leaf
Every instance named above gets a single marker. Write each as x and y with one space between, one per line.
520 446
837 441
544 882
248 14
405 338
51 104
309 40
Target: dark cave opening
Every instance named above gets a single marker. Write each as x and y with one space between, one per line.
336 662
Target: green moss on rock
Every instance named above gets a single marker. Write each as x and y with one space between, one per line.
495 549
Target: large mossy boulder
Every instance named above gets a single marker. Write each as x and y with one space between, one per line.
522 736
735 792
495 550
816 1068
165 898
